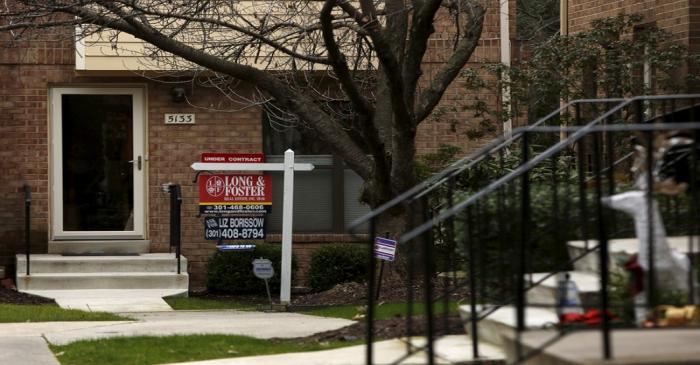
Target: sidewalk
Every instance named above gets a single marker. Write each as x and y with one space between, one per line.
449 350
26 343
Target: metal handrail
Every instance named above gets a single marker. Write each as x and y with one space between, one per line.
470 160
578 133
602 248
175 192
27 222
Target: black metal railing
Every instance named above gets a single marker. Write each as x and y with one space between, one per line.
480 230
27 223
175 192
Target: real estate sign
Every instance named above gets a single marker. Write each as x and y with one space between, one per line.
219 193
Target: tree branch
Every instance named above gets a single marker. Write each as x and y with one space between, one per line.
449 71
337 60
258 35
298 103
421 29
391 67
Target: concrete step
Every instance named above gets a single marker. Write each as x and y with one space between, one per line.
546 292
629 347
99 247
112 300
620 248
152 262
502 321
102 280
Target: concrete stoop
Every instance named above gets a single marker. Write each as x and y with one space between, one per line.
502 322
631 347
498 328
105 283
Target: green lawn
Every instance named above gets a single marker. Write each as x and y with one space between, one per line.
51 313
205 304
158 350
383 311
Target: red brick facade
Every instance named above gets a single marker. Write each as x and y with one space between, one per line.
681 18
29 69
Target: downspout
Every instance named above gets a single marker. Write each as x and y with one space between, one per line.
564 32
504 11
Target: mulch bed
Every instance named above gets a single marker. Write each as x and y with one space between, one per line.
390 328
8 296
356 294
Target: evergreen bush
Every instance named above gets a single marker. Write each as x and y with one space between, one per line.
337 263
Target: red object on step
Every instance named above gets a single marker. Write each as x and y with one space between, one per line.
637 273
591 318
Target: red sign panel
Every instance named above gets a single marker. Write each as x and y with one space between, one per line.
222 189
212 157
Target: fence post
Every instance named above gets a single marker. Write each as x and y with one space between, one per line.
370 291
524 240
603 249
474 317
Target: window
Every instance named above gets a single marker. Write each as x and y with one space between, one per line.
326 200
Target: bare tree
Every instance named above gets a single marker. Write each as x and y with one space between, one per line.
371 50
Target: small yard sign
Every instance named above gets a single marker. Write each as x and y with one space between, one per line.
262 269
384 249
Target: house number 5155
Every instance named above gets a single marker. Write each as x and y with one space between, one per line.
179 118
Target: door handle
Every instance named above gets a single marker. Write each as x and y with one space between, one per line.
137 161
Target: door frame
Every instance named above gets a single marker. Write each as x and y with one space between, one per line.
56 161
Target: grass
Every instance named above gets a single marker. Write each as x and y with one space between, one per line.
205 304
10 313
148 350
383 311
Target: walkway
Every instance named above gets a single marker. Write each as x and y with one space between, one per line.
22 343
449 350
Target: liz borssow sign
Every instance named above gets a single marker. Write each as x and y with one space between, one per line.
222 189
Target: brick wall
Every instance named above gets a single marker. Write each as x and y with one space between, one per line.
670 15
452 125
25 70
694 33
681 18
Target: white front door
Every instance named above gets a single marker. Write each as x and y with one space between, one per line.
97 163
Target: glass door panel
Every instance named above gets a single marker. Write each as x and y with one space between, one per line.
98 189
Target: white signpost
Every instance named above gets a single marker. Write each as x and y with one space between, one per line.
287 206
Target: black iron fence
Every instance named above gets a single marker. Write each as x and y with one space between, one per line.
499 223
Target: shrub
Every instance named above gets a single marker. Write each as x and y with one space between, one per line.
337 263
231 272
